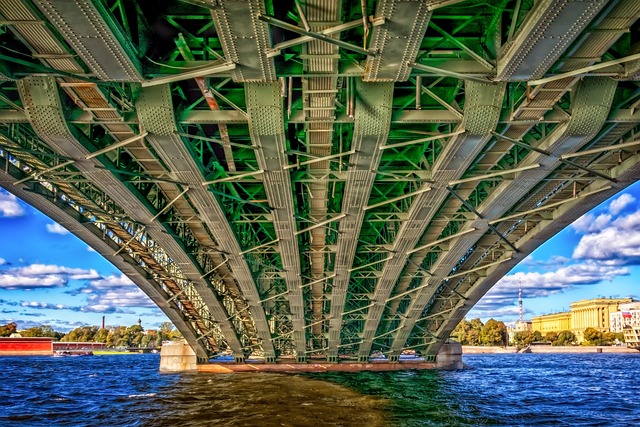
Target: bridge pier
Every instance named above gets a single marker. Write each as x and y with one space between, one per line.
179 357
450 356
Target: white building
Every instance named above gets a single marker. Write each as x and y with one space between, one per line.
628 315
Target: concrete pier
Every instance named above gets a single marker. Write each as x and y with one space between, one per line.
179 357
450 356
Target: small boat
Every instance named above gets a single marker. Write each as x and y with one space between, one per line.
69 353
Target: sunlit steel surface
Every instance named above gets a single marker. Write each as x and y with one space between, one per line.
318 179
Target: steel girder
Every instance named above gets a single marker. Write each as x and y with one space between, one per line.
482 110
358 217
371 126
61 211
160 122
550 27
86 26
244 39
591 106
266 127
396 44
43 107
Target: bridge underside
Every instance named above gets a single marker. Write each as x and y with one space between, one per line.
317 180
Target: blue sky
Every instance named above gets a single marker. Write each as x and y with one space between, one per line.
48 276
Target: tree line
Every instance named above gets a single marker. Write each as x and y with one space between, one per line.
474 332
494 333
591 336
111 336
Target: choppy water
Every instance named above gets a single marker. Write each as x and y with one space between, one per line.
497 390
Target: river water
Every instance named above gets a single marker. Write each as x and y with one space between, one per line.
497 390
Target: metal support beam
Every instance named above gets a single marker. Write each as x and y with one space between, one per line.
286 26
320 224
584 70
116 145
198 72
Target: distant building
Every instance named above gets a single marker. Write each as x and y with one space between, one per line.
628 315
594 313
632 336
627 321
517 326
556 322
522 326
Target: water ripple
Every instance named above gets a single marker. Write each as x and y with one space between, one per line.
498 390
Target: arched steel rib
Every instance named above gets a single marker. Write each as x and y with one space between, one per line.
591 106
266 127
73 221
157 118
482 111
372 119
43 106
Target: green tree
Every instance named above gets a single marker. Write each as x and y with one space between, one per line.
134 335
460 332
168 332
475 329
537 336
592 336
551 337
610 338
493 333
8 329
101 335
116 337
523 338
149 339
565 338
42 331
81 334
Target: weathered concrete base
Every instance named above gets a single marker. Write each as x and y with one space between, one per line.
227 368
548 349
176 356
450 356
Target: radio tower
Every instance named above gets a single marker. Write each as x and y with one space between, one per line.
520 301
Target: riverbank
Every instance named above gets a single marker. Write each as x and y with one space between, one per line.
469 349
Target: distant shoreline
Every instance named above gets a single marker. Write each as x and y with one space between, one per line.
469 349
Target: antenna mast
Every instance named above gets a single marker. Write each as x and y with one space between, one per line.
520 300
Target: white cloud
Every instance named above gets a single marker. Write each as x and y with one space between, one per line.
111 282
619 243
488 311
10 281
38 276
620 203
56 324
503 297
589 223
9 205
56 228
114 294
73 273
3 261
43 305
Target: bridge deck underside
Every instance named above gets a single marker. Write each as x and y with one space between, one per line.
326 179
